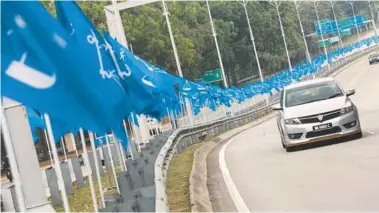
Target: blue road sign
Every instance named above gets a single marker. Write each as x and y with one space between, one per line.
328 27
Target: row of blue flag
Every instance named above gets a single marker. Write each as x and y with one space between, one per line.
83 78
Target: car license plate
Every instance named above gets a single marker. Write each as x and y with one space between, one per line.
322 127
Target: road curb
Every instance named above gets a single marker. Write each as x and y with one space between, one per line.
199 194
198 189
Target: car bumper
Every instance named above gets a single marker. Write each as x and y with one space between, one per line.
340 128
374 61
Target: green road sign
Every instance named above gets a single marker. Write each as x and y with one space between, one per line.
345 32
211 76
322 43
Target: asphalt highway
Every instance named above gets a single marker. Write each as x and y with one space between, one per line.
335 177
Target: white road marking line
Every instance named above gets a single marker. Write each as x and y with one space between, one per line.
370 132
232 188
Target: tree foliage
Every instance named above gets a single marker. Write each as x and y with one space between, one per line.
146 30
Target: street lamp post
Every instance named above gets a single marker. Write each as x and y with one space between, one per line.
244 3
308 55
373 19
355 20
332 4
217 48
165 13
120 35
277 5
322 35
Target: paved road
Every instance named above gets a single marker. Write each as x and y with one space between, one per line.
339 177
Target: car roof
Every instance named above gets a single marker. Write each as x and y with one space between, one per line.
310 82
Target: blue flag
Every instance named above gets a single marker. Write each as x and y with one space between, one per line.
45 69
35 121
113 98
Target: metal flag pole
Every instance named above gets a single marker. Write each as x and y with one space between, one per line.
176 120
244 3
97 166
373 19
87 163
48 147
118 148
129 146
169 118
112 163
57 166
355 20
136 136
12 162
74 144
173 118
165 13
217 48
277 5
64 149
123 156
121 35
322 35
308 55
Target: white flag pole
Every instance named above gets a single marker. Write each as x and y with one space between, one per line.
48 147
169 118
97 169
87 164
118 148
129 146
123 156
112 163
64 149
136 136
12 163
74 144
57 166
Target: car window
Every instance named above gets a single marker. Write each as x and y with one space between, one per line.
312 93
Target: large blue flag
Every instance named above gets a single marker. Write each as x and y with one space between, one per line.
46 70
113 97
33 48
138 84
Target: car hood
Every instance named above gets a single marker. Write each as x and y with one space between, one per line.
316 107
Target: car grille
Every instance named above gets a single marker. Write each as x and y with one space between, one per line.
314 118
333 130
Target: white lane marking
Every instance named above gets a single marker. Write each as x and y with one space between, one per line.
232 188
370 132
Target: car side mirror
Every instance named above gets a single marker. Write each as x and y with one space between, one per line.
350 92
276 107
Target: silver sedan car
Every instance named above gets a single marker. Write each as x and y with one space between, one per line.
316 110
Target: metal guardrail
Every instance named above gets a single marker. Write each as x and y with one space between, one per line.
184 137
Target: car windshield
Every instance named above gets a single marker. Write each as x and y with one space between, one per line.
312 93
374 55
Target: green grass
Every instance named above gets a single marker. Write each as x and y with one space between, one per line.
81 200
178 180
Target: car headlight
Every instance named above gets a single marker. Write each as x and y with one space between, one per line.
292 121
346 110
